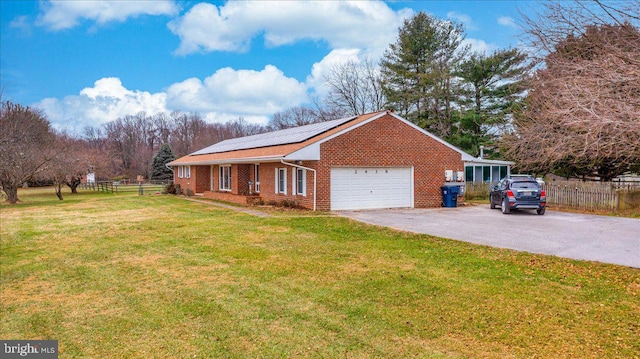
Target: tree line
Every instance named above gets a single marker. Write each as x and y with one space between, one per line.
31 151
569 106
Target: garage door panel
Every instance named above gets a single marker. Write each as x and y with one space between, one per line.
369 188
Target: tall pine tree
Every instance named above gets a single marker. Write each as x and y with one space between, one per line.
418 71
492 87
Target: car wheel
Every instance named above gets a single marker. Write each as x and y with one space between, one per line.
505 207
541 211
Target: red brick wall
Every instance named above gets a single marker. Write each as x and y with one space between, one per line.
199 181
267 184
242 178
229 197
184 182
385 142
388 142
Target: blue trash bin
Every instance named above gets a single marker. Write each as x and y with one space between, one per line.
450 196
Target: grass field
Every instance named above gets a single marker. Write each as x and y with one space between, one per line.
156 276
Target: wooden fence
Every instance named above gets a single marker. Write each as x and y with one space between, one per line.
593 195
107 186
119 186
580 195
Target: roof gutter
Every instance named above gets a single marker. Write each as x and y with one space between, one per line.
228 160
314 178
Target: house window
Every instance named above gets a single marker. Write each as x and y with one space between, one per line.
281 180
225 178
468 173
184 171
300 181
503 171
486 173
257 177
495 174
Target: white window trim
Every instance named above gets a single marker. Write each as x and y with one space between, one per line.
256 170
277 180
179 171
187 171
221 171
211 176
299 190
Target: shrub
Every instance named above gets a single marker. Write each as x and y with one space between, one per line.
172 189
289 203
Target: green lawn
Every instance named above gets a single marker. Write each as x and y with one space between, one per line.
156 276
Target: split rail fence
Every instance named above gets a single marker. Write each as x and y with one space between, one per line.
125 186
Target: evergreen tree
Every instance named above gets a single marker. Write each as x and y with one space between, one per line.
418 71
492 86
160 172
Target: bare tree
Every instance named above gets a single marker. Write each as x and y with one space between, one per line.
70 161
189 133
241 128
293 117
582 114
558 20
25 146
101 160
326 112
355 87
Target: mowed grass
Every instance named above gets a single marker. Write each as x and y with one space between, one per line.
156 276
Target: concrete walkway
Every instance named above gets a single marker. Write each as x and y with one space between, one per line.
578 236
252 212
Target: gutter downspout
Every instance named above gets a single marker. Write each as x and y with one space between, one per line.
314 178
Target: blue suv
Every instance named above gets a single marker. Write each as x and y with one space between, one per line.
518 192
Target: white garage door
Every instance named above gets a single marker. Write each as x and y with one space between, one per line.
371 187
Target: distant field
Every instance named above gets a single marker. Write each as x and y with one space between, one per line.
156 276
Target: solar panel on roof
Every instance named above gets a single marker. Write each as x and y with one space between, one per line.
281 137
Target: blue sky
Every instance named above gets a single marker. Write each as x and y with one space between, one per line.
85 63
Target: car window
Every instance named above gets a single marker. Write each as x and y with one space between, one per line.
525 185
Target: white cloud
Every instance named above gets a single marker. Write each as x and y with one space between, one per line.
480 46
21 23
223 96
464 19
507 21
323 68
60 14
231 27
229 94
104 102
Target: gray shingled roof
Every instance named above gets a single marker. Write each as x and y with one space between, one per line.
275 138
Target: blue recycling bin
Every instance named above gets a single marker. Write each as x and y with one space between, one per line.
450 196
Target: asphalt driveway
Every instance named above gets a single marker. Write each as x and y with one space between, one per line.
578 236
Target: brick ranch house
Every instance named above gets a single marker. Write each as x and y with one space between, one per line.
375 160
